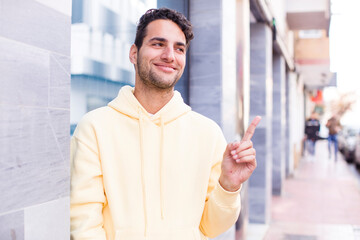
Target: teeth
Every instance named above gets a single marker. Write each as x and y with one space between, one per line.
166 67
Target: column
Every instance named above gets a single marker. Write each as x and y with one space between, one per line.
205 85
278 124
212 67
261 104
287 128
212 83
243 97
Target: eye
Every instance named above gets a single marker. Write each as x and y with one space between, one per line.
180 49
158 44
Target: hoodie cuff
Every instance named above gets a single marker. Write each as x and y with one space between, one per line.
225 198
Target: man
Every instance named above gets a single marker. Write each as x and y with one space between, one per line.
334 127
312 128
146 166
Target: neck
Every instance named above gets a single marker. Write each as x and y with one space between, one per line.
152 99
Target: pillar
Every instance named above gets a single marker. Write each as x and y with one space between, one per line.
261 104
212 90
243 98
212 67
278 124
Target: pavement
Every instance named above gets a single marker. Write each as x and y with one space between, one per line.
321 201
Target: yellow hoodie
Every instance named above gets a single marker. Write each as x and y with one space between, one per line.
135 176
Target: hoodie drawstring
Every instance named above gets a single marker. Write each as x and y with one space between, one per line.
141 123
161 163
161 166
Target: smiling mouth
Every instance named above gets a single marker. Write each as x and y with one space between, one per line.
165 68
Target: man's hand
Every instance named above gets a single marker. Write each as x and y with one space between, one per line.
239 160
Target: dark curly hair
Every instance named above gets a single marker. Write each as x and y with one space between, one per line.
166 14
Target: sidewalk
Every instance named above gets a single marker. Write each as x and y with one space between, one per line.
320 202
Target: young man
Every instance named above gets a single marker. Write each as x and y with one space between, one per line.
333 124
312 128
146 166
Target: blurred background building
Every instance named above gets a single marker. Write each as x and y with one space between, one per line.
248 58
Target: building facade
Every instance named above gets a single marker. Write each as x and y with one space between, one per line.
248 58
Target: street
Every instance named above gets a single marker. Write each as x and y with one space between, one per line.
320 202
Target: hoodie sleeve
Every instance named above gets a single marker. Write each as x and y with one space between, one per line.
87 196
222 208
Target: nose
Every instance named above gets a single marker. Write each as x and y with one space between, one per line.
168 54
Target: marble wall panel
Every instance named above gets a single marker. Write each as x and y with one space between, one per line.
206 80
60 125
34 119
208 110
204 5
205 19
278 124
12 226
33 160
261 104
257 210
211 94
203 65
59 82
24 76
39 216
205 69
206 40
35 24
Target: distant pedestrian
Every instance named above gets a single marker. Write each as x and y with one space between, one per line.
312 128
334 127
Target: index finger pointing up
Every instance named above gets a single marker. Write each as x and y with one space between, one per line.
251 129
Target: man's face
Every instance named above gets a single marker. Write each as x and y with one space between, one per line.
160 62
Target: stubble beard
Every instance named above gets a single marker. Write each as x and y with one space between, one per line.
150 78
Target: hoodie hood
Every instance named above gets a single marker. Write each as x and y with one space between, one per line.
127 104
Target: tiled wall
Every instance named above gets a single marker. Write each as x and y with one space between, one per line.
261 92
34 119
278 124
205 62
212 91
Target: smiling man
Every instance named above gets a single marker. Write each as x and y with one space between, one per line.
148 167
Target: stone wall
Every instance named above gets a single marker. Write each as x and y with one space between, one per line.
34 119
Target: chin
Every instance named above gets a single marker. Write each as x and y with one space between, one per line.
164 83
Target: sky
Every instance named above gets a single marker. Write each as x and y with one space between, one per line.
345 54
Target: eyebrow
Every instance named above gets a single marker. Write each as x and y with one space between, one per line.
160 39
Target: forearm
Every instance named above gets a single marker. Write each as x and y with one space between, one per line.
221 211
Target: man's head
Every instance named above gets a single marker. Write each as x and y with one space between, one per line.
159 51
165 14
313 115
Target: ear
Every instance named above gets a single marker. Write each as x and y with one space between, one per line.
133 54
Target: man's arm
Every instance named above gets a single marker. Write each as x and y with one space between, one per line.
87 196
222 206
